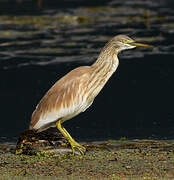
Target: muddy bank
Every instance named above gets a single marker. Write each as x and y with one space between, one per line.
112 159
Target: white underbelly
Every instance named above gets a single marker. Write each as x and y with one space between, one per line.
49 119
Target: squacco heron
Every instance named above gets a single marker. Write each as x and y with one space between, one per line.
76 91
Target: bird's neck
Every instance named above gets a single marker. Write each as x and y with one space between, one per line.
107 63
102 70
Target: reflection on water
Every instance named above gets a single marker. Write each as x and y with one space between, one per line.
41 44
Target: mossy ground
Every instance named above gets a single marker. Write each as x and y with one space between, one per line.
135 159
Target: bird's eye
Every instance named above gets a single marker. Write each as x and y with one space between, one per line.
126 41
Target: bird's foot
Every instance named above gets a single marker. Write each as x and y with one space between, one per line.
73 143
76 145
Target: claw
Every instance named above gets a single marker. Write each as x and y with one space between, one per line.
73 143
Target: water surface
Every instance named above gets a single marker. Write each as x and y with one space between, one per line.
38 45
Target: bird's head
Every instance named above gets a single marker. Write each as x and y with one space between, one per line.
123 42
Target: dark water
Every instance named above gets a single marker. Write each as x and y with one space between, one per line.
41 43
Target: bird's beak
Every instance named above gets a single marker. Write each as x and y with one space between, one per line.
139 44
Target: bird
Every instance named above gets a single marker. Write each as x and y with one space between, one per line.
75 92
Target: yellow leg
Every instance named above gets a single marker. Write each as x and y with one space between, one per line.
72 142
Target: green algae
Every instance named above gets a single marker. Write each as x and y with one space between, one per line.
113 159
45 21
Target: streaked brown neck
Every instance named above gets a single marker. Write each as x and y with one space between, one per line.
107 62
102 70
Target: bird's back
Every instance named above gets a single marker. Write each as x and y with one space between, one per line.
65 99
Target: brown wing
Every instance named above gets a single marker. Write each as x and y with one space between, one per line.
64 93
